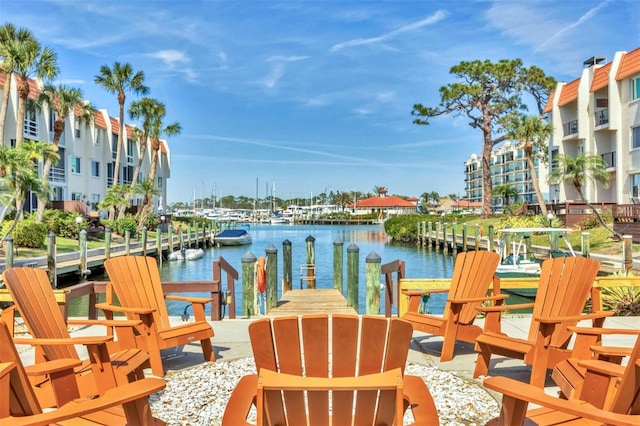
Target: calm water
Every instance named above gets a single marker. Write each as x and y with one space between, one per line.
420 262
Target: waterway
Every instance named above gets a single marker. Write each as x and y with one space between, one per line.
420 261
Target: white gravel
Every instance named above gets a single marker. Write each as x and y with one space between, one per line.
198 395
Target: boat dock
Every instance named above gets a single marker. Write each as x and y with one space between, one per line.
311 301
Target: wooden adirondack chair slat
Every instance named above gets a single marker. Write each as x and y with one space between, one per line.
564 286
341 353
473 273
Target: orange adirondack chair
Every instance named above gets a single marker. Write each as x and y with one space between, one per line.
110 363
564 285
19 405
473 273
136 282
299 359
623 409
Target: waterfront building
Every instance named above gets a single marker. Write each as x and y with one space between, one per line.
87 152
385 206
508 166
599 113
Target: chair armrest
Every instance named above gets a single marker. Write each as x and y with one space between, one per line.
555 320
53 366
6 368
479 299
201 300
123 394
603 331
114 308
505 308
391 379
242 399
603 367
422 292
532 394
610 351
107 323
83 340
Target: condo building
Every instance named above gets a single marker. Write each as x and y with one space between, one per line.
87 151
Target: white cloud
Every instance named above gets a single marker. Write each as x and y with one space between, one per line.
170 57
436 17
286 58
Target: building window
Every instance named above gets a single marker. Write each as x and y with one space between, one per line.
98 136
159 183
95 169
75 164
95 200
77 127
635 184
635 88
131 146
76 196
636 137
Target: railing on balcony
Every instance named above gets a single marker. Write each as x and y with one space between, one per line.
30 128
609 158
56 174
570 128
602 117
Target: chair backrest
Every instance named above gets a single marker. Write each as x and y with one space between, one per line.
473 272
627 398
328 346
136 282
22 399
31 291
563 289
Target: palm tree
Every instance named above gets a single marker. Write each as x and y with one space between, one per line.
32 60
576 171
505 191
379 190
148 110
21 177
533 133
148 190
12 41
156 132
64 101
120 79
114 198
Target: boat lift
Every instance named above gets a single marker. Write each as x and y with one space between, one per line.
520 257
307 273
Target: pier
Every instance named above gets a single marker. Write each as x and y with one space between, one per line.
311 301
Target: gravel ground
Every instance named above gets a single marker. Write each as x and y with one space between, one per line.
198 395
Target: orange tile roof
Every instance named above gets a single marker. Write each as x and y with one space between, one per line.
163 147
115 126
629 65
468 204
389 201
129 131
549 106
2 79
98 119
569 92
601 77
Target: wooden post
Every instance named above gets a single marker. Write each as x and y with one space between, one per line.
286 265
476 235
51 260
338 260
170 235
248 284
144 240
464 237
181 238
429 231
352 276
424 232
272 277
107 243
444 237
195 234
311 262
627 253
83 255
127 242
159 245
8 254
454 241
372 272
585 244
490 242
188 235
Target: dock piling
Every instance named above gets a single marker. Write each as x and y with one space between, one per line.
352 275
338 260
372 273
271 253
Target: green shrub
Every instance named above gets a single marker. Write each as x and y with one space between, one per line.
119 226
27 233
62 223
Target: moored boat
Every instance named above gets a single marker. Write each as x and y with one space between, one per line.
232 237
186 254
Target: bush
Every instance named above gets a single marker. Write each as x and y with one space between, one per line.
592 221
27 233
119 226
62 223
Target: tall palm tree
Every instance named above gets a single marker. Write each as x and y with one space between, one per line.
148 110
120 79
533 133
64 101
505 191
12 41
148 190
576 171
158 131
32 60
20 176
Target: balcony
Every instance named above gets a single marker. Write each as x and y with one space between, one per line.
56 174
602 117
30 129
570 128
609 158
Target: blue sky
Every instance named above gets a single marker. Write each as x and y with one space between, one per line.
316 95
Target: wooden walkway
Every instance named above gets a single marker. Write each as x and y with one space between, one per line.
311 301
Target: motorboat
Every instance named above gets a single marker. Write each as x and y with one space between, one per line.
232 237
186 254
518 259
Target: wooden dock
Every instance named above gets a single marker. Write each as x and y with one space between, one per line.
311 301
